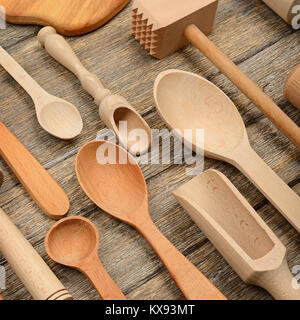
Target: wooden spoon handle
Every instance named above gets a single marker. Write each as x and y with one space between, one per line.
279 283
101 280
283 198
62 52
37 277
36 180
21 76
193 284
245 84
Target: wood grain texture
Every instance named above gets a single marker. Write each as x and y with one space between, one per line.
257 40
69 17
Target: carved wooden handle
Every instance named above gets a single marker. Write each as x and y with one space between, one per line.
61 51
193 284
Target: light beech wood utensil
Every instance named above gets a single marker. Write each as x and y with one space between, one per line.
284 8
187 101
165 26
41 186
121 191
34 273
112 108
56 116
73 242
69 17
238 232
292 87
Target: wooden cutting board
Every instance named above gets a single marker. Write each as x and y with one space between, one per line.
68 17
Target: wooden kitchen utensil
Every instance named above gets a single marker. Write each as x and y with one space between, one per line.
292 87
164 26
73 242
35 179
56 116
120 190
187 101
69 17
238 232
284 8
112 108
34 273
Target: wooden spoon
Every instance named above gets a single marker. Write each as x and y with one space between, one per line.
36 180
187 101
56 116
120 190
238 232
74 242
113 109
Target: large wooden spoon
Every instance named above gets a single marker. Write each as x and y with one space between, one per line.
74 242
187 101
238 232
56 116
121 190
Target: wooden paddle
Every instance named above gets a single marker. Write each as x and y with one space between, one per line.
68 17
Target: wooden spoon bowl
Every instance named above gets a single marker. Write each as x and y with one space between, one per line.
73 242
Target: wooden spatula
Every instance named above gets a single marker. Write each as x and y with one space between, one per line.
68 17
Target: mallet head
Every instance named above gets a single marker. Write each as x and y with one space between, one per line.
159 24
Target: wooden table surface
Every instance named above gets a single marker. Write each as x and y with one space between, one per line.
257 40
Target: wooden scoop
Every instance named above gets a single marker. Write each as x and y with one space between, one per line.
120 190
56 116
41 186
74 242
238 232
112 108
187 101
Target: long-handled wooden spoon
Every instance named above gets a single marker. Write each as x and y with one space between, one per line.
113 109
187 101
74 242
238 232
120 190
41 186
56 116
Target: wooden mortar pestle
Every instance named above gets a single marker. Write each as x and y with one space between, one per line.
119 188
73 242
237 231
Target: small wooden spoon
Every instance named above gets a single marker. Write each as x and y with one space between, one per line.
73 242
113 109
121 190
187 101
56 116
238 232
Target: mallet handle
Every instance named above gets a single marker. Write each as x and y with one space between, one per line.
244 83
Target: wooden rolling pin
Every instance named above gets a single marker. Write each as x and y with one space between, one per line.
32 270
283 8
292 87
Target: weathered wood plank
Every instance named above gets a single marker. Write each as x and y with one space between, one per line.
252 36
